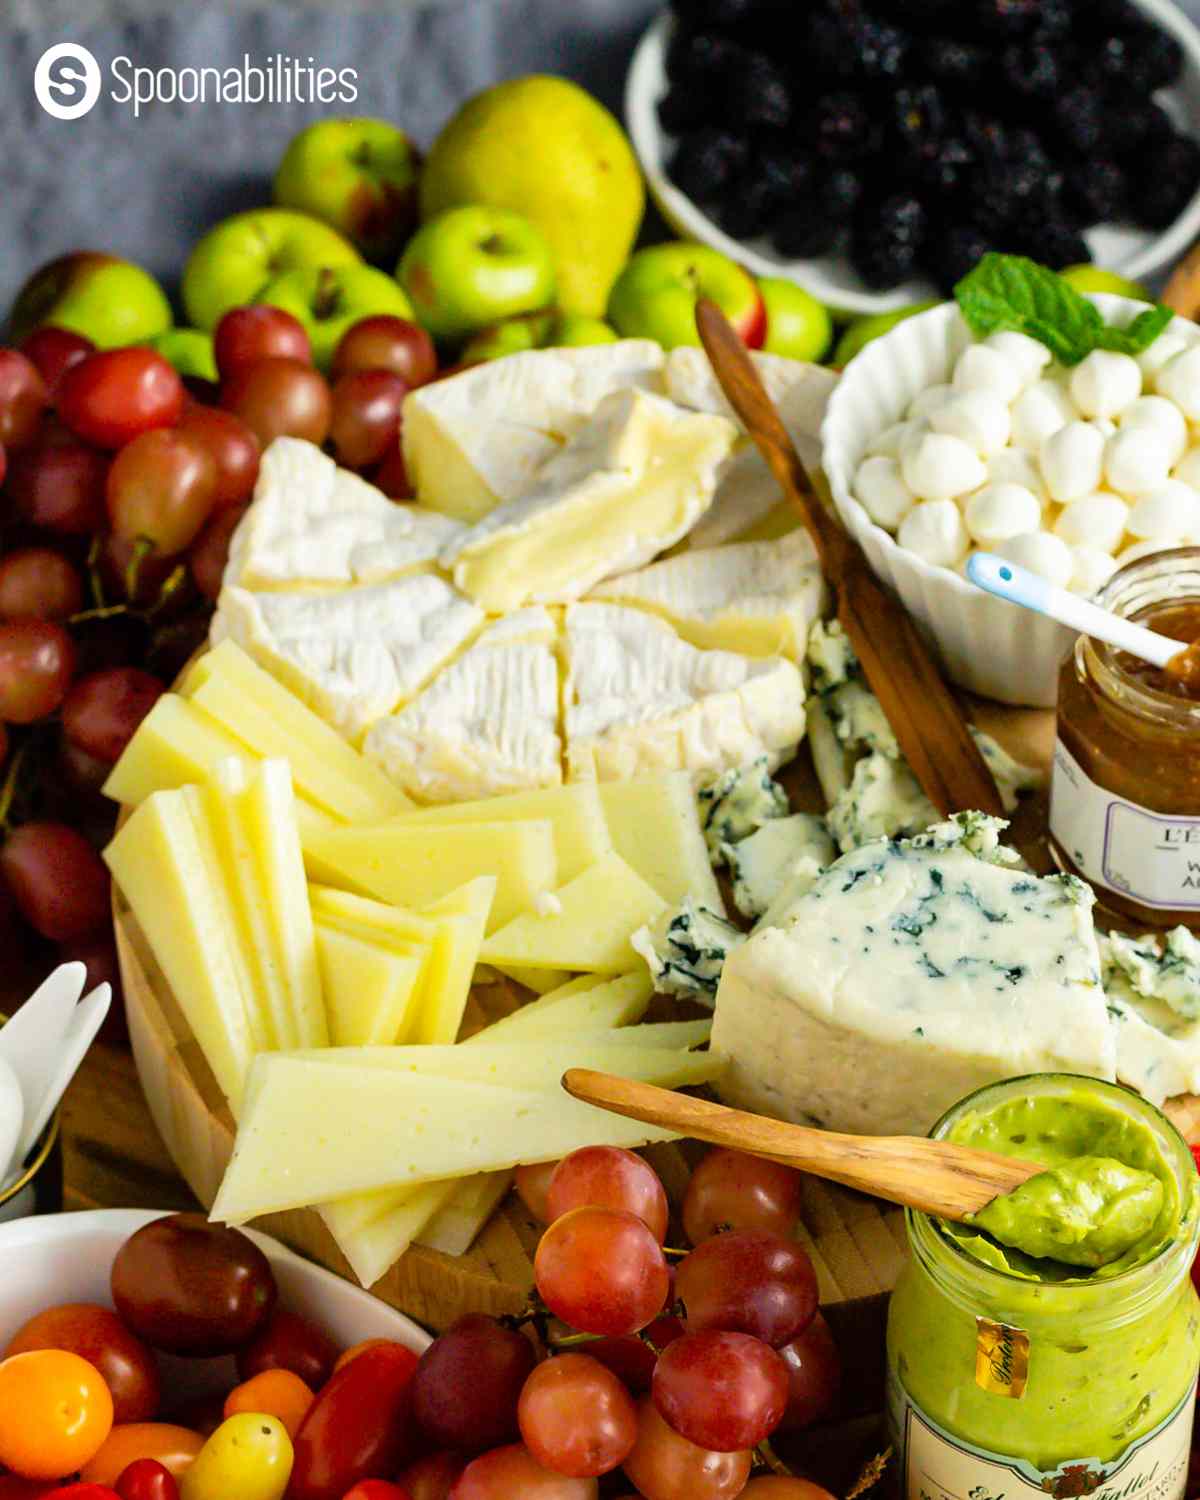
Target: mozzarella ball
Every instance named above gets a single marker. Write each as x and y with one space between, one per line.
891 439
935 532
1097 521
1166 516
882 492
1104 384
1188 468
1017 466
982 369
1093 569
1179 381
1072 461
1047 556
1136 461
999 511
939 467
1163 417
1160 354
1039 412
979 418
926 402
1026 355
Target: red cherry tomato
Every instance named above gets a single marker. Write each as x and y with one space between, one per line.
360 1426
290 1342
14 1488
431 1477
82 1490
147 1479
376 1489
112 397
98 1335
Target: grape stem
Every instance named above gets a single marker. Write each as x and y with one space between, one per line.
767 1455
95 582
8 791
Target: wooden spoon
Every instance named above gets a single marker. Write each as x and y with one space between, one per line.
936 1177
927 719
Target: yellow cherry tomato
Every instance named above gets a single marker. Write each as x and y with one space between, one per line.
55 1413
249 1455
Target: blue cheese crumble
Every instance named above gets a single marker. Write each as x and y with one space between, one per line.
786 853
685 951
738 803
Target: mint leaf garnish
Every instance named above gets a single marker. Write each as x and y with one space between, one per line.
1008 293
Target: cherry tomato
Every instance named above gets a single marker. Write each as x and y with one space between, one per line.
55 1413
248 1456
14 1488
202 1414
98 1335
360 1426
274 1393
84 1491
290 1342
377 1489
174 1447
431 1477
147 1479
112 397
355 1350
191 1287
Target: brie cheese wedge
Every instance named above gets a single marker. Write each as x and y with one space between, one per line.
638 700
630 484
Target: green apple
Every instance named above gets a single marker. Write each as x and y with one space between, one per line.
1096 279
864 331
656 294
108 300
541 330
798 326
358 175
189 350
573 331
237 260
331 300
474 266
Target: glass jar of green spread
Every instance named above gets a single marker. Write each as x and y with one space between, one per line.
1011 1376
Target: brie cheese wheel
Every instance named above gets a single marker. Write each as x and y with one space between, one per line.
486 725
478 439
760 598
351 656
631 483
639 699
312 523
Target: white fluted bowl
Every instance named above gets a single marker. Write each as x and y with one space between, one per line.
988 646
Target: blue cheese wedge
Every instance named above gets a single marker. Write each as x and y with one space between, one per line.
911 974
685 951
779 863
737 804
1158 1038
1157 968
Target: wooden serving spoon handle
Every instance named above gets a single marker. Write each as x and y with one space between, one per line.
936 1177
929 723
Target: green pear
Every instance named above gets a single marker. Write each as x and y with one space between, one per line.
864 331
108 300
543 147
1095 279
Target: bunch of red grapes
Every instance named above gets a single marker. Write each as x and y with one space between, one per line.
122 484
672 1377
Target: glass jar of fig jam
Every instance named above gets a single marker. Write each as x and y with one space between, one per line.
1125 794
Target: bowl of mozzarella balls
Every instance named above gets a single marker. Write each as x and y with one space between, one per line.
937 444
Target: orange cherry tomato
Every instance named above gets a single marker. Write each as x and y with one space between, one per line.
274 1393
174 1448
355 1350
55 1413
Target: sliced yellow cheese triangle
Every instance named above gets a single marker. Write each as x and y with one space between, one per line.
373 1247
370 993
456 1225
461 919
587 923
655 828
585 1004
540 981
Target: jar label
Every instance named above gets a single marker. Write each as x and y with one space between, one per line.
1001 1358
1149 857
935 1465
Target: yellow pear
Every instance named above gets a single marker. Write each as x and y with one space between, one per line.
546 149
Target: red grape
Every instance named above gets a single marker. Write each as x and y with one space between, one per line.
247 335
40 584
779 1487
160 489
60 487
724 1391
233 448
731 1190
23 398
748 1282
54 351
210 551
392 474
3 744
280 398
113 396
609 1177
505 1473
366 416
814 1376
602 1271
665 1466
466 1387
386 343
532 1184
37 662
3 463
432 1477
102 711
57 879
83 774
632 1358
576 1417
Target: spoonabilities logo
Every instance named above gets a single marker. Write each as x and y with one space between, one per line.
67 81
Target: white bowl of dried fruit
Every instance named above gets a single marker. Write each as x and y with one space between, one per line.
943 439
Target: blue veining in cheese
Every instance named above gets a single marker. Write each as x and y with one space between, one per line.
685 951
737 803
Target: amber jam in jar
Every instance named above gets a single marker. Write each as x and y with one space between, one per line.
1125 794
